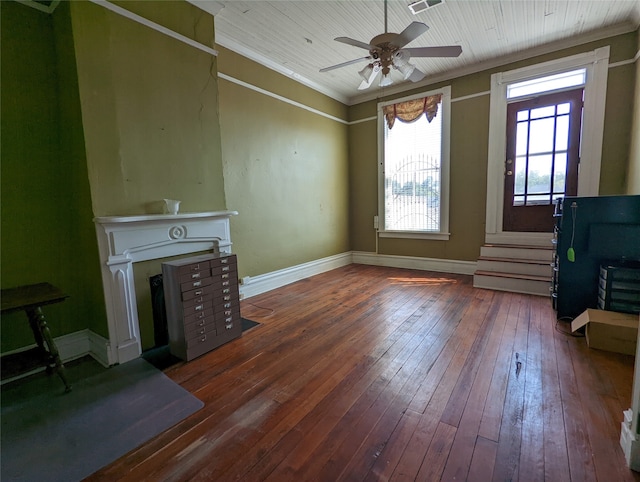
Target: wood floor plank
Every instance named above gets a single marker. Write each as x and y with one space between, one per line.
368 373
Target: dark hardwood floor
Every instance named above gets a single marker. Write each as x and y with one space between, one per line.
369 373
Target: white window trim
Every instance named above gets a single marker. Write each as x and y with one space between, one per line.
595 91
443 234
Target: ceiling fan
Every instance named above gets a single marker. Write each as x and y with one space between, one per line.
386 52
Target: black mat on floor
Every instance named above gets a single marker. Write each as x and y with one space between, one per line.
248 324
51 435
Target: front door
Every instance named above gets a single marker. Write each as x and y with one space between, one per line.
543 149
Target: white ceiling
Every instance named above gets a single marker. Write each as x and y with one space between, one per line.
295 37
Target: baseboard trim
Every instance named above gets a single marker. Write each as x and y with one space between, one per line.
70 347
414 262
256 285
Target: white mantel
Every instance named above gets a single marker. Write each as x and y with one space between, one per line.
124 240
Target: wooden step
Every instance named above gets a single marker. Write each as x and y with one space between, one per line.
515 266
515 283
536 253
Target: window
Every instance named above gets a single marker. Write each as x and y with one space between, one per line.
414 166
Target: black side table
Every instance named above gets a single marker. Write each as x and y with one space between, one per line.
31 299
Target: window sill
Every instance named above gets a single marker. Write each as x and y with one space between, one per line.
414 235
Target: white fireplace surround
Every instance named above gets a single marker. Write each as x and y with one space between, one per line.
124 240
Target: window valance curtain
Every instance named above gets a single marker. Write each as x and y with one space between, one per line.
412 109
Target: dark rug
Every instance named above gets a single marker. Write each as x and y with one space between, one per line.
248 324
51 435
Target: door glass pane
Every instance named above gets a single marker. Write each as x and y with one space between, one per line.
536 200
539 176
559 173
562 133
520 170
543 112
541 136
521 138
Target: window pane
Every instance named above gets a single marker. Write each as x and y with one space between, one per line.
560 173
548 83
518 200
412 175
537 200
564 108
522 131
541 136
520 170
543 112
522 115
562 133
539 176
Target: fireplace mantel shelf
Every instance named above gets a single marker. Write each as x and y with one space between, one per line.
162 217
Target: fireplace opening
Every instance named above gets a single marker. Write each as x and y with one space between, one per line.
159 356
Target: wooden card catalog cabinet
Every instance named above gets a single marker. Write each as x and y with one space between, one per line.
203 303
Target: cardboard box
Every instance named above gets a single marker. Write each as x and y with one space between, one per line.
609 330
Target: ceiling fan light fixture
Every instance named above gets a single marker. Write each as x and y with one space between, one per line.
366 72
406 70
385 81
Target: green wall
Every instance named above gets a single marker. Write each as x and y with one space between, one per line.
149 109
285 169
46 219
469 145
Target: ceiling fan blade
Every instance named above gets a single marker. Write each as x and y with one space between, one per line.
344 64
445 51
412 32
355 43
416 76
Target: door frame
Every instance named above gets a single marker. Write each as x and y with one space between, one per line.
596 63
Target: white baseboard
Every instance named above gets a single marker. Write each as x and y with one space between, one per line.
414 262
256 285
70 347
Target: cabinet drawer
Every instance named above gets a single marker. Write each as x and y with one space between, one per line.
223 260
198 301
197 308
195 276
196 293
199 316
197 329
195 284
200 346
196 267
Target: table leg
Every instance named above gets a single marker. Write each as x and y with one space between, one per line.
43 335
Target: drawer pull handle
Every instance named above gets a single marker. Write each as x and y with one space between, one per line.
227 305
225 276
226 291
201 315
195 275
197 284
225 283
227 298
198 293
202 331
201 323
228 320
203 338
227 313
224 261
199 307
195 267
229 326
225 268
199 300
